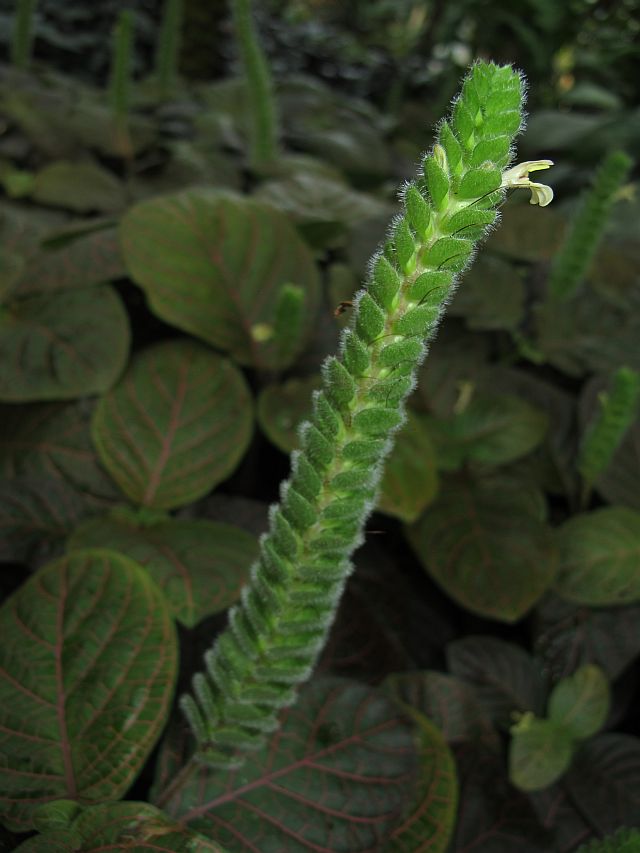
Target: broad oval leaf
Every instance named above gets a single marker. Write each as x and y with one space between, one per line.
493 295
54 440
36 514
333 779
539 753
567 636
281 409
134 827
200 565
446 700
482 544
176 425
410 478
604 781
619 483
428 823
79 186
58 348
214 264
505 678
490 430
87 673
600 557
581 701
82 260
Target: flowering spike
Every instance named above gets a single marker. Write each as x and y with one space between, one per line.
276 633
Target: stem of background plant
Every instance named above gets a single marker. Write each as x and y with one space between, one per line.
277 632
168 47
120 81
260 90
573 260
22 37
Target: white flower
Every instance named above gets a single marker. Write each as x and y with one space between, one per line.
518 176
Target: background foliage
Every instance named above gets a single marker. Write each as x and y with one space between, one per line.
166 300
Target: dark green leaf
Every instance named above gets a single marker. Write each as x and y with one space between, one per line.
200 565
58 348
600 557
80 187
176 424
54 440
410 479
36 514
491 296
213 265
604 781
446 700
490 430
88 259
484 547
567 636
88 668
134 827
281 409
504 677
527 235
333 779
493 816
619 483
622 841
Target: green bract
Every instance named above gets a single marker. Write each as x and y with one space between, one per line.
275 634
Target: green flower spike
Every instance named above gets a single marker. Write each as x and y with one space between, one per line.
518 177
276 634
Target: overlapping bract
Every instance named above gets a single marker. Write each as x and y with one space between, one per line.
276 633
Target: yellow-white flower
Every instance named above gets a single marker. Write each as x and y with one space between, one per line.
518 176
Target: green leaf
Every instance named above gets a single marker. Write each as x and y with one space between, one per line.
343 751
58 348
54 440
623 841
492 296
281 408
88 668
213 265
504 677
524 235
80 187
484 547
492 429
320 203
539 753
604 781
87 259
568 635
199 565
619 483
448 702
599 557
427 825
175 426
36 514
410 479
590 333
493 815
581 702
130 826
